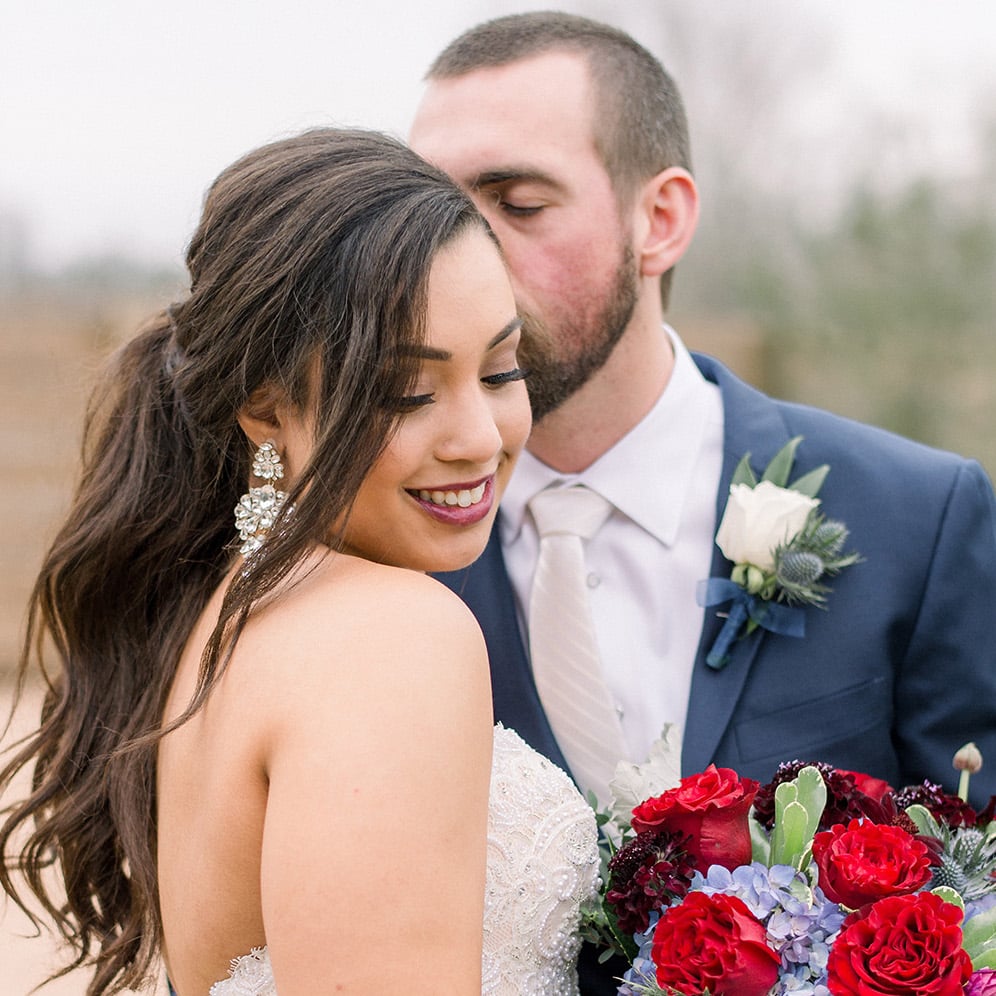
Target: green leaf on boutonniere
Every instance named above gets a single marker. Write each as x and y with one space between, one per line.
810 484
777 472
744 473
781 464
781 547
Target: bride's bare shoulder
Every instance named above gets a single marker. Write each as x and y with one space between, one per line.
339 595
367 629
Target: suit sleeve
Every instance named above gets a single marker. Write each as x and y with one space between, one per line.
946 688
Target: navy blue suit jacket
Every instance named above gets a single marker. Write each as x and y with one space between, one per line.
891 678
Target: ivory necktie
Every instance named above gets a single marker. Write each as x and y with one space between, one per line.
564 651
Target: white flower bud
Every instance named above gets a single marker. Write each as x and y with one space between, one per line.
968 758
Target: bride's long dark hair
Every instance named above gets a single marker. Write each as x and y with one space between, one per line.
312 253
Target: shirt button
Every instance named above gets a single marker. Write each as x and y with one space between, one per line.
593 580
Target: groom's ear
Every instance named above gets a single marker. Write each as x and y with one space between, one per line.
667 213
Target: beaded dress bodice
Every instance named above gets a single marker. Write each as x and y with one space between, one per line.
542 867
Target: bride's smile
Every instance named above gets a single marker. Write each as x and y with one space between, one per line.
430 499
457 504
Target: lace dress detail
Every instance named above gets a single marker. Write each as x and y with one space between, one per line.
542 867
250 975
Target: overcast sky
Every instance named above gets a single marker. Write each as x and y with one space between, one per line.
116 114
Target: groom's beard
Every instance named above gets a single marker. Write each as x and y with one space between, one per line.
559 364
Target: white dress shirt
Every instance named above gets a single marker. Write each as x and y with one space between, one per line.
645 562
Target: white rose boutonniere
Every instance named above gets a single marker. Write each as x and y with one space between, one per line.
781 546
760 519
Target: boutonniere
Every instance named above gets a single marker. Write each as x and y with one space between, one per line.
782 548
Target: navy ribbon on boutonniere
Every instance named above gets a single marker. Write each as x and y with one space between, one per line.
746 608
781 547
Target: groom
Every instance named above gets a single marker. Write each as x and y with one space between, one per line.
572 140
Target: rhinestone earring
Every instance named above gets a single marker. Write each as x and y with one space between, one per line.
258 509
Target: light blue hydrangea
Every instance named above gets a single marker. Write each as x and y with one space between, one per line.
801 923
642 972
977 906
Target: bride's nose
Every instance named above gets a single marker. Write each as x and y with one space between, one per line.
471 432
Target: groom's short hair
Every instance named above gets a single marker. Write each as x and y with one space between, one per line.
640 126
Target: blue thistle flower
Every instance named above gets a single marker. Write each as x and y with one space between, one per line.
799 569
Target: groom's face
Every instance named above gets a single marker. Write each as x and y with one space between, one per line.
520 140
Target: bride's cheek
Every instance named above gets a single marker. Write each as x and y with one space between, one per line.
517 421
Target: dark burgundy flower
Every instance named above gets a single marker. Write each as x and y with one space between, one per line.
647 874
845 800
946 808
988 813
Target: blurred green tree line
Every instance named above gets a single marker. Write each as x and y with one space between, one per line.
885 312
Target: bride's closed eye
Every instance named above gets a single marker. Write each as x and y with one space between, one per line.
506 377
414 401
411 402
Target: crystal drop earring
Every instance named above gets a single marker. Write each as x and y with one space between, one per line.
257 510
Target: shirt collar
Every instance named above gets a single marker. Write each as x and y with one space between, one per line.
648 473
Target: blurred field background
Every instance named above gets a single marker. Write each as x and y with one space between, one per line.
846 255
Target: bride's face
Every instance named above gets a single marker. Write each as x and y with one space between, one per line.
430 500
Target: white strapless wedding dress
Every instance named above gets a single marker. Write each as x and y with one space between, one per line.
542 866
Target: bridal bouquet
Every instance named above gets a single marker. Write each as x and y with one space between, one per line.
823 882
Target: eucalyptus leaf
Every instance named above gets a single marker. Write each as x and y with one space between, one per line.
924 820
781 463
985 960
810 484
760 845
813 795
950 895
788 843
799 805
978 935
786 795
744 473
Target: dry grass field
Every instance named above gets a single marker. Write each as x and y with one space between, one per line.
50 348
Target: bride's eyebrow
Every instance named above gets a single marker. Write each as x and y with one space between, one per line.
432 353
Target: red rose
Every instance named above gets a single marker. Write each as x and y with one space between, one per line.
863 862
711 808
904 945
867 785
715 943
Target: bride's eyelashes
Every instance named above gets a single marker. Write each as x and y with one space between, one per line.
414 401
506 377
410 403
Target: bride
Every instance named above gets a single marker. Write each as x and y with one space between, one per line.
270 763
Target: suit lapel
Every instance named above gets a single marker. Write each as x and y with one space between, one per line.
486 589
751 423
